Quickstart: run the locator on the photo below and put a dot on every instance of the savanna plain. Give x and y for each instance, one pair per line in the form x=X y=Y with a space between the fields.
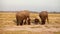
x=8 y=24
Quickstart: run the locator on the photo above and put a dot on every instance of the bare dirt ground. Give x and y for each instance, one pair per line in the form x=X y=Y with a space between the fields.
x=44 y=29
x=36 y=28
x=8 y=26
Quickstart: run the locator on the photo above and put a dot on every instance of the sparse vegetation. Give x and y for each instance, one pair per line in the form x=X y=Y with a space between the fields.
x=36 y=27
x=56 y=32
x=7 y=18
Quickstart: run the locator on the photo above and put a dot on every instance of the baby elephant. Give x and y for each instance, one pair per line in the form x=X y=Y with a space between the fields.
x=36 y=21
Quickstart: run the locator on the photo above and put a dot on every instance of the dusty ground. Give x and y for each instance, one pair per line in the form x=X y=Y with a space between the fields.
x=8 y=25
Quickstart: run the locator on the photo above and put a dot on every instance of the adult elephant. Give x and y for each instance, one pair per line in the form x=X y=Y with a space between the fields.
x=43 y=15
x=21 y=16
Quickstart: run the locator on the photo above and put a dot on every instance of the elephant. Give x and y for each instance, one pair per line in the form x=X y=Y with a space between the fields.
x=21 y=16
x=36 y=21
x=43 y=16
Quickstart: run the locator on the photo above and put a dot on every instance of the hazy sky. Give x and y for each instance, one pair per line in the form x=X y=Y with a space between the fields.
x=35 y=5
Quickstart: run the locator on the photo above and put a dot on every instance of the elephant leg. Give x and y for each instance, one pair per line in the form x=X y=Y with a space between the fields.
x=21 y=22
x=17 y=22
x=43 y=22
x=25 y=22
x=28 y=20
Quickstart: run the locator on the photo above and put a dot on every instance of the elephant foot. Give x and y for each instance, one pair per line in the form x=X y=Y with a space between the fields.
x=17 y=24
x=35 y=23
x=21 y=24
x=42 y=23
x=28 y=23
x=24 y=23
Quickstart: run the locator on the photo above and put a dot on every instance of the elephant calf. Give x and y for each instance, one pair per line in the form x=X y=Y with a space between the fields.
x=36 y=21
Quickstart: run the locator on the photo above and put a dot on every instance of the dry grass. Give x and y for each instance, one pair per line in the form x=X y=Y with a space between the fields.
x=20 y=32
x=56 y=32
x=9 y=18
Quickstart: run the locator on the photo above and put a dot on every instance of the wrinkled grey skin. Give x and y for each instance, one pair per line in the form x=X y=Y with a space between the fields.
x=21 y=16
x=43 y=15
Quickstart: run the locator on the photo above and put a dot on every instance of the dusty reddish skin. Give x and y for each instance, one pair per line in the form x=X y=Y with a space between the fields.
x=43 y=15
x=23 y=15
